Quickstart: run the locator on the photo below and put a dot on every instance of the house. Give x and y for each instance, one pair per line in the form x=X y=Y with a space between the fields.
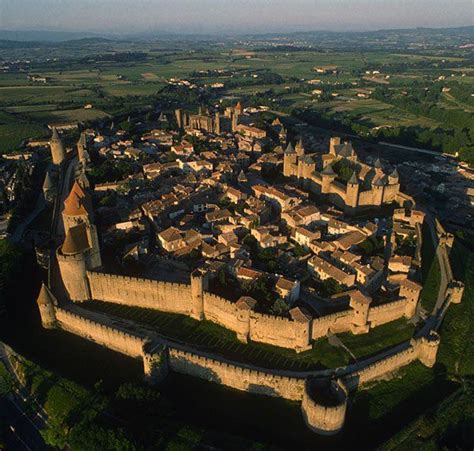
x=400 y=263
x=325 y=270
x=171 y=239
x=288 y=289
x=248 y=274
x=235 y=195
x=305 y=237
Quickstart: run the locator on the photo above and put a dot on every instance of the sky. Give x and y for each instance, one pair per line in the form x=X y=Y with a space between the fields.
x=231 y=16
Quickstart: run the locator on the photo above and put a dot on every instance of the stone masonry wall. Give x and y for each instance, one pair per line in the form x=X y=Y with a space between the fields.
x=335 y=323
x=138 y=292
x=279 y=331
x=381 y=367
x=110 y=337
x=247 y=324
x=385 y=313
x=227 y=314
x=235 y=376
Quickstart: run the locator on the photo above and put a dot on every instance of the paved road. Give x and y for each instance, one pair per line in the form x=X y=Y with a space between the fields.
x=21 y=412
x=21 y=431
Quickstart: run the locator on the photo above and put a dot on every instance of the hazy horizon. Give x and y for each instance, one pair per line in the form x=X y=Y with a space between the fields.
x=230 y=16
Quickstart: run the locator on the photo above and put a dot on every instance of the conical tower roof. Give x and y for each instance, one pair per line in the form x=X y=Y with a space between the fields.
x=353 y=180
x=328 y=170
x=394 y=174
x=55 y=135
x=76 y=240
x=242 y=177
x=379 y=182
x=48 y=183
x=77 y=203
x=45 y=297
x=289 y=149
x=378 y=163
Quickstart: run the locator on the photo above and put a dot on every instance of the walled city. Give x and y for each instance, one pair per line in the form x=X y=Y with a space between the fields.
x=275 y=243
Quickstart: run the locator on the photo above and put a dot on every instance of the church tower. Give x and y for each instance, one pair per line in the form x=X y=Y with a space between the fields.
x=58 y=153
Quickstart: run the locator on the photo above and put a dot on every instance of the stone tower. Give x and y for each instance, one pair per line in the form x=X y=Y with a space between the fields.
x=360 y=305
x=328 y=175
x=46 y=304
x=411 y=292
x=179 y=117
x=82 y=153
x=428 y=348
x=58 y=153
x=378 y=189
x=393 y=178
x=80 y=250
x=235 y=121
x=324 y=405
x=299 y=148
x=199 y=284
x=352 y=193
x=49 y=190
x=283 y=135
x=333 y=142
x=78 y=210
x=74 y=259
x=217 y=123
x=456 y=291
x=289 y=160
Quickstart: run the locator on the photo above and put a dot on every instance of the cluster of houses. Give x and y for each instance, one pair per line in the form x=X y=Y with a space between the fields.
x=203 y=198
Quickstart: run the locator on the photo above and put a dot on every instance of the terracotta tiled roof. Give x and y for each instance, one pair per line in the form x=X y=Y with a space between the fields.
x=76 y=240
x=77 y=203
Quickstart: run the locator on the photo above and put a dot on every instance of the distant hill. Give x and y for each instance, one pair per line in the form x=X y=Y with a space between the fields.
x=9 y=44
x=46 y=36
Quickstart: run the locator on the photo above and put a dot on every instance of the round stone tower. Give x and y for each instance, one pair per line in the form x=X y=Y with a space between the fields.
x=46 y=303
x=428 y=348
x=324 y=405
x=74 y=259
x=58 y=153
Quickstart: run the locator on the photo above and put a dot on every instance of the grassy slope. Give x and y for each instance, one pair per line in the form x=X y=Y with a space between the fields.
x=451 y=423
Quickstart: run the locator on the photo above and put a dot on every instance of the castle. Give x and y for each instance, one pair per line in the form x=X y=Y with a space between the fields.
x=368 y=187
x=323 y=394
x=210 y=123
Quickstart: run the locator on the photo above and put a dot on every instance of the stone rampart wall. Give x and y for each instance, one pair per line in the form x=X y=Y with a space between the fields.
x=235 y=376
x=227 y=314
x=110 y=337
x=385 y=313
x=390 y=192
x=335 y=323
x=279 y=331
x=382 y=367
x=138 y=292
x=366 y=198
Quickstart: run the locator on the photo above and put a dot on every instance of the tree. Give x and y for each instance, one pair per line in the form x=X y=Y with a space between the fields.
x=280 y=307
x=92 y=437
